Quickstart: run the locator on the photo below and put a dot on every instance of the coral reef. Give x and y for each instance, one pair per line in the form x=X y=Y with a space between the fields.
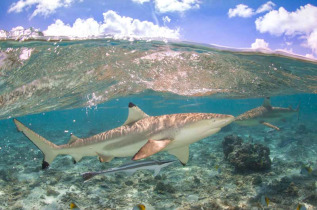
x=229 y=143
x=245 y=156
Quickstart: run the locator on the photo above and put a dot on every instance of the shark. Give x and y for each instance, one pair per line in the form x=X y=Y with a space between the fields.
x=132 y=167
x=140 y=136
x=265 y=115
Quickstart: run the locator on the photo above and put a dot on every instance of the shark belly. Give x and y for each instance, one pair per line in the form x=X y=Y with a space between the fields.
x=188 y=137
x=125 y=151
x=191 y=134
x=123 y=146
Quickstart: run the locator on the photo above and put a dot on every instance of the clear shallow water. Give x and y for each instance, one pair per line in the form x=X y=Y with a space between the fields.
x=47 y=81
x=198 y=184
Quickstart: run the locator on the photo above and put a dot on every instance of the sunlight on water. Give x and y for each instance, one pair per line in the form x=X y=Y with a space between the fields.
x=37 y=76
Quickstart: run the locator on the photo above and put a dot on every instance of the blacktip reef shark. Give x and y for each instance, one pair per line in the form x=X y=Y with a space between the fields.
x=265 y=114
x=132 y=167
x=140 y=136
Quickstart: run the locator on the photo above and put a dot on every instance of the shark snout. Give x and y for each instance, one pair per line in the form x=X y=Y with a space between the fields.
x=222 y=121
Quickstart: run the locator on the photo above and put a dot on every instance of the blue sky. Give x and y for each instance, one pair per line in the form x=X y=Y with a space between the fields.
x=286 y=25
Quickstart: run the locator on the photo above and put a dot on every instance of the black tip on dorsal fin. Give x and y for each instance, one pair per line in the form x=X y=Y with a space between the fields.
x=131 y=105
x=267 y=102
x=45 y=165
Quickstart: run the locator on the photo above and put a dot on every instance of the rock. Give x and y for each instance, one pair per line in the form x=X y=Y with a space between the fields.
x=51 y=192
x=280 y=186
x=312 y=199
x=257 y=180
x=129 y=183
x=229 y=143
x=192 y=198
x=196 y=180
x=285 y=141
x=164 y=188
x=292 y=190
x=250 y=157
x=158 y=177
x=301 y=129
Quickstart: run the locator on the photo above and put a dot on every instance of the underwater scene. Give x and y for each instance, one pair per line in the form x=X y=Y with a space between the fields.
x=119 y=124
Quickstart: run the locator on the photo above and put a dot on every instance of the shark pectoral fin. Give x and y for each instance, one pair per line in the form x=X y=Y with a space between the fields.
x=72 y=139
x=135 y=114
x=104 y=158
x=150 y=148
x=181 y=153
x=270 y=125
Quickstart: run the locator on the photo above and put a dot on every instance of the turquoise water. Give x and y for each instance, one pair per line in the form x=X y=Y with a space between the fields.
x=58 y=95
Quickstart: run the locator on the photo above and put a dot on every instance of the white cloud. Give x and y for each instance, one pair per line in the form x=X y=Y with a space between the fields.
x=163 y=6
x=312 y=41
x=311 y=56
x=43 y=7
x=241 y=10
x=289 y=51
x=260 y=44
x=268 y=6
x=140 y=1
x=81 y=28
x=302 y=23
x=278 y=22
x=166 y=19
x=113 y=24
x=288 y=43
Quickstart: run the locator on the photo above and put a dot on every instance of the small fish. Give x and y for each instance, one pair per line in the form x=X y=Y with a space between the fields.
x=306 y=170
x=73 y=206
x=217 y=167
x=139 y=207
x=265 y=200
x=300 y=207
x=133 y=167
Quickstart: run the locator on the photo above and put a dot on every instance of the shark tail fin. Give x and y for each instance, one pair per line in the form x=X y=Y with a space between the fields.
x=48 y=148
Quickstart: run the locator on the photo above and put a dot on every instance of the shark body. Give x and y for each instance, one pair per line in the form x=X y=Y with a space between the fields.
x=265 y=114
x=140 y=136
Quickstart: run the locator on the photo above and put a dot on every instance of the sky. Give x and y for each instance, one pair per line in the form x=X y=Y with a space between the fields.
x=287 y=25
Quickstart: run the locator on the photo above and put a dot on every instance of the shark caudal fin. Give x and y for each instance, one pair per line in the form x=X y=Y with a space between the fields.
x=48 y=148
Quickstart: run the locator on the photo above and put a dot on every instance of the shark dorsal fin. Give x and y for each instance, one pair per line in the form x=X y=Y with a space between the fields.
x=72 y=139
x=267 y=102
x=135 y=114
